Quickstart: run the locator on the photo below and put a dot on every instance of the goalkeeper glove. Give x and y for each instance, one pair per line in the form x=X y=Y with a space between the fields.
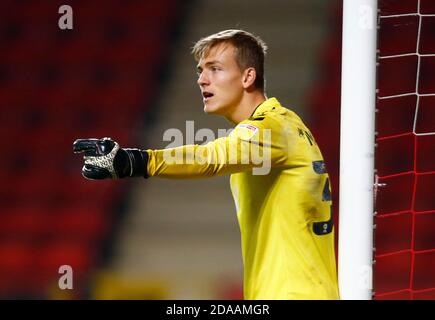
x=104 y=159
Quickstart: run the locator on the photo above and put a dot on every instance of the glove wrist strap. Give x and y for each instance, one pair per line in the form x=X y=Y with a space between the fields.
x=138 y=160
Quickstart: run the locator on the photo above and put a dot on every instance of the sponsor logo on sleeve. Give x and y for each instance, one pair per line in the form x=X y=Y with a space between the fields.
x=246 y=131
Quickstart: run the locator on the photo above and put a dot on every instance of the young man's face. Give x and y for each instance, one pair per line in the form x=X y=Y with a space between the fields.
x=220 y=79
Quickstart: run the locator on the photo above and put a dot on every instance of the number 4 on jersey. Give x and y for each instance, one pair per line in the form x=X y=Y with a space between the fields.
x=323 y=227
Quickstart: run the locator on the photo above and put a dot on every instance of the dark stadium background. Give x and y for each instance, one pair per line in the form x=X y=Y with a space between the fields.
x=112 y=75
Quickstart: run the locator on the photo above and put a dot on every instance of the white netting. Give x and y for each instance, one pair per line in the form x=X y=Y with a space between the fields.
x=405 y=244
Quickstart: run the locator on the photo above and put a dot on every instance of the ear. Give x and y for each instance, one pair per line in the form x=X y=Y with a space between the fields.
x=249 y=76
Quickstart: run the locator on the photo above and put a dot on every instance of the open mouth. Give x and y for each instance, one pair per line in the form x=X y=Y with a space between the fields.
x=207 y=95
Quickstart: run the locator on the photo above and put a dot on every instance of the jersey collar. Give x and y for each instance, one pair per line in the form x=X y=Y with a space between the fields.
x=267 y=105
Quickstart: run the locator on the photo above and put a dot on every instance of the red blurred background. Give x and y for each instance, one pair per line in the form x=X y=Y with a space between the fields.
x=101 y=79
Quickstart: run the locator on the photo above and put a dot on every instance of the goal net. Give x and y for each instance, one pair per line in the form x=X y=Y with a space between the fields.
x=405 y=151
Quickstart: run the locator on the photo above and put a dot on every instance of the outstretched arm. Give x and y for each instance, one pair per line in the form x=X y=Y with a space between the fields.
x=248 y=147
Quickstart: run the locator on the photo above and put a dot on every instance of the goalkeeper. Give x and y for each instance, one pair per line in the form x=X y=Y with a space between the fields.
x=283 y=208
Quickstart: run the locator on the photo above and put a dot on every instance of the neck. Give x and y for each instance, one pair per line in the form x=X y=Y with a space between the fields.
x=246 y=107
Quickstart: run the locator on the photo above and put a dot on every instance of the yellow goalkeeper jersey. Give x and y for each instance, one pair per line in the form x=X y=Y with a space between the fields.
x=283 y=199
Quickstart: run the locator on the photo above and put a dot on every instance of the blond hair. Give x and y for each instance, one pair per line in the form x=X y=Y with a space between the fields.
x=250 y=50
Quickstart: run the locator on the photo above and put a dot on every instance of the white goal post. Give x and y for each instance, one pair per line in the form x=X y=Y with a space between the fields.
x=357 y=141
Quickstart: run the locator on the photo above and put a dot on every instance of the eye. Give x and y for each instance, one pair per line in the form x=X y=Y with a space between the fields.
x=214 y=68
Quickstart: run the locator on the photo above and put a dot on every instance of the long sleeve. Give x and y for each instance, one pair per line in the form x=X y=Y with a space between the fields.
x=250 y=146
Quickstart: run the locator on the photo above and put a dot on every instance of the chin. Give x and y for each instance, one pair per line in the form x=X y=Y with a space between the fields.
x=211 y=110
x=216 y=108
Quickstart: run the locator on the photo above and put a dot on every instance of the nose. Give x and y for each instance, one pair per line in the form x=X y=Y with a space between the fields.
x=203 y=79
